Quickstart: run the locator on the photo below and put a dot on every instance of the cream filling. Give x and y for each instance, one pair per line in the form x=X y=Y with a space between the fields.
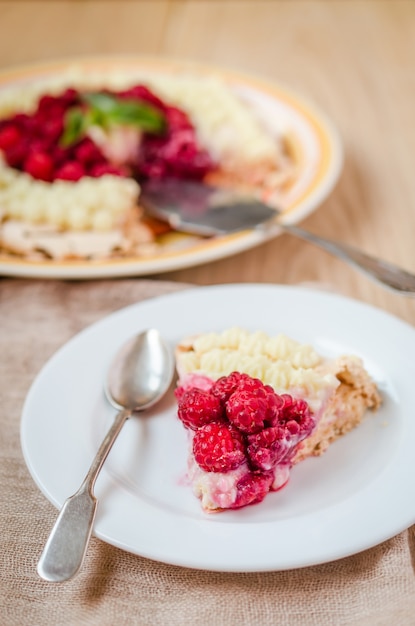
x=218 y=490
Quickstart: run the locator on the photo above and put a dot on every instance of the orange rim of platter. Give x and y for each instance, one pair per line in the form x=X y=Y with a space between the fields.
x=307 y=111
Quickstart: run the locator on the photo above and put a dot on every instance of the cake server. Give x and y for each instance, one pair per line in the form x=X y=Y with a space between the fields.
x=201 y=209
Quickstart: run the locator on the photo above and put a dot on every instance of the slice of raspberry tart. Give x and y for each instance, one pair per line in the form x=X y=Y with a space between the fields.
x=254 y=406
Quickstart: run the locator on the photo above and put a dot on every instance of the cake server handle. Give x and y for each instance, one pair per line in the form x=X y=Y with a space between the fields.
x=384 y=272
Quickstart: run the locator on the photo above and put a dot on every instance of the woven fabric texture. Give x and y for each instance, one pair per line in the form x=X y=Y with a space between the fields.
x=375 y=587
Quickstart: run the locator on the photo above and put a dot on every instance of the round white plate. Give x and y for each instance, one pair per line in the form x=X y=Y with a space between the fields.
x=355 y=496
x=312 y=137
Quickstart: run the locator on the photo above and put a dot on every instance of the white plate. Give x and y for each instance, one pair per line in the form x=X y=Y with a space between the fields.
x=313 y=139
x=357 y=495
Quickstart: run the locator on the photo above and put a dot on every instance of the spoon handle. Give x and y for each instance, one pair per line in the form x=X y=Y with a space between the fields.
x=381 y=271
x=65 y=549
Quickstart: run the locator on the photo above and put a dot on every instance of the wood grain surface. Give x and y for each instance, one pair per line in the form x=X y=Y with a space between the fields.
x=354 y=59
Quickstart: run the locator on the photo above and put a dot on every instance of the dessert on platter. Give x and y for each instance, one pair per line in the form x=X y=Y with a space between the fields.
x=74 y=149
x=255 y=405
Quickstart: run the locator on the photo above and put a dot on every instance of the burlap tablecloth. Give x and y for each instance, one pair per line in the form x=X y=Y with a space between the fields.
x=376 y=587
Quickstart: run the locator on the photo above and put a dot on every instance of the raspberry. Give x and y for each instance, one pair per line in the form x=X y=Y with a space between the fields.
x=247 y=383
x=176 y=153
x=177 y=119
x=182 y=156
x=52 y=129
x=16 y=155
x=59 y=156
x=252 y=488
x=23 y=121
x=71 y=170
x=267 y=448
x=218 y=448
x=46 y=103
x=198 y=407
x=88 y=153
x=295 y=416
x=293 y=427
x=101 y=169
x=224 y=387
x=9 y=136
x=290 y=405
x=140 y=92
x=247 y=411
x=52 y=107
x=69 y=97
x=39 y=165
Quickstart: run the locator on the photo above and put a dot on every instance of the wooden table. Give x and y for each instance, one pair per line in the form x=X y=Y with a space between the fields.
x=355 y=60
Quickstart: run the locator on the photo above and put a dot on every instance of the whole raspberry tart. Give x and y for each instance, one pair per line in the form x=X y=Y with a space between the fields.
x=75 y=149
x=254 y=406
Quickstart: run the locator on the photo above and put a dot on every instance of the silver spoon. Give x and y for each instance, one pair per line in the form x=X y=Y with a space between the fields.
x=206 y=210
x=139 y=376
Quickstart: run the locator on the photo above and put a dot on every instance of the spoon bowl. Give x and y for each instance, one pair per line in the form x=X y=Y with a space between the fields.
x=139 y=376
x=141 y=372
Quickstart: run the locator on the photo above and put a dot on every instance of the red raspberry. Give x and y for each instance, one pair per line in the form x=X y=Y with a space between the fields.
x=46 y=103
x=88 y=153
x=182 y=155
x=101 y=169
x=273 y=400
x=177 y=119
x=268 y=447
x=198 y=407
x=247 y=383
x=275 y=403
x=247 y=411
x=140 y=92
x=23 y=121
x=290 y=405
x=16 y=155
x=9 y=136
x=252 y=488
x=52 y=107
x=71 y=170
x=176 y=153
x=42 y=117
x=69 y=97
x=60 y=156
x=218 y=448
x=38 y=145
x=39 y=165
x=52 y=129
x=224 y=387
x=296 y=417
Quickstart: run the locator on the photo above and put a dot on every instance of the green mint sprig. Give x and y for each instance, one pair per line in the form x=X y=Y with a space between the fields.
x=105 y=110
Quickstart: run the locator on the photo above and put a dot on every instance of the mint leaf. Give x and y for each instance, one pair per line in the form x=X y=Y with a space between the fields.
x=129 y=112
x=75 y=125
x=102 y=102
x=107 y=109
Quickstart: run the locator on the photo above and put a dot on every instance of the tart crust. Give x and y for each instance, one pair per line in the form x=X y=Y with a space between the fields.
x=346 y=408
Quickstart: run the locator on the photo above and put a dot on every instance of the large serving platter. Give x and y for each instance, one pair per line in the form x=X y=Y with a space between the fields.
x=313 y=140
